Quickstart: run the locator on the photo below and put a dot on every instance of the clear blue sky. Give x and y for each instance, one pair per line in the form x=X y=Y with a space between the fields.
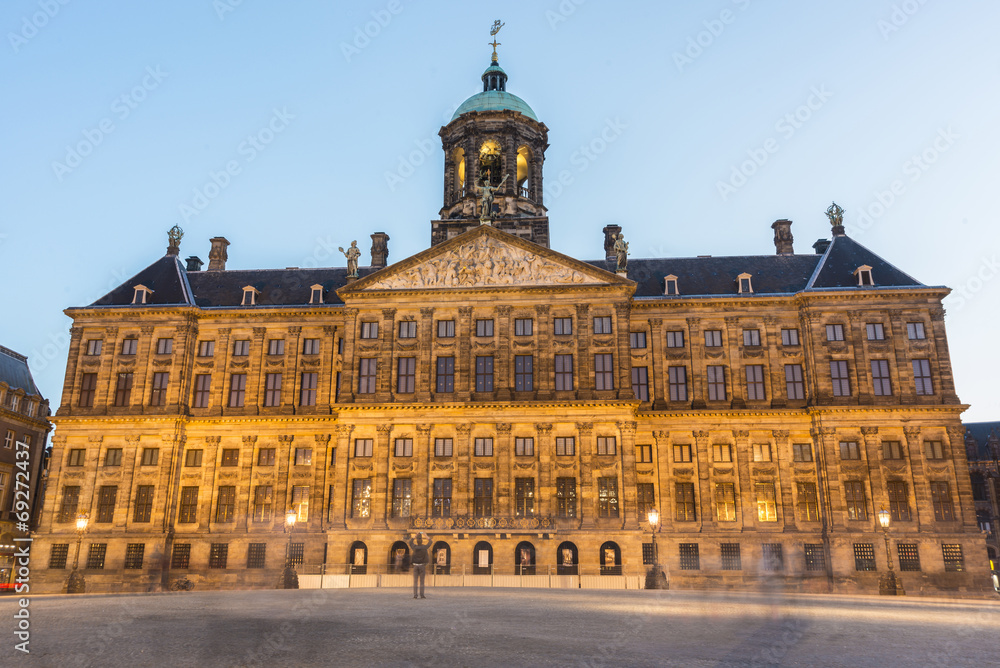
x=162 y=95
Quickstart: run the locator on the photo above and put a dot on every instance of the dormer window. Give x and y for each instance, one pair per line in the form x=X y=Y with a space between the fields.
x=142 y=294
x=745 y=283
x=670 y=285
x=316 y=294
x=250 y=295
x=864 y=274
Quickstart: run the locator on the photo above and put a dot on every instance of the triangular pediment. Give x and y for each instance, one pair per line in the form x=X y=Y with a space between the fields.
x=485 y=257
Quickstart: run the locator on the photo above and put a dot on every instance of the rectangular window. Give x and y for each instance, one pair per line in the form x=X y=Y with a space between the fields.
x=716 y=383
x=677 y=378
x=265 y=457
x=150 y=456
x=637 y=339
x=129 y=346
x=230 y=457
x=566 y=497
x=406 y=375
x=402 y=497
x=795 y=388
x=731 y=557
x=909 y=556
x=562 y=326
x=441 y=502
x=808 y=502
x=445 y=374
x=113 y=457
x=181 y=557
x=802 y=452
x=367 y=375
x=815 y=557
x=484 y=373
x=602 y=324
x=123 y=390
x=892 y=450
x=95 y=556
x=640 y=383
x=255 y=555
x=524 y=497
x=954 y=562
x=944 y=511
x=407 y=329
x=834 y=332
x=899 y=503
x=310 y=346
x=922 y=377
x=606 y=445
x=644 y=454
x=854 y=497
x=303 y=456
x=725 y=501
x=76 y=457
x=363 y=447
x=225 y=503
x=682 y=453
x=218 y=555
x=603 y=372
x=158 y=393
x=915 y=331
x=143 y=511
x=188 y=507
x=134 y=553
x=404 y=447
x=361 y=498
x=881 y=384
x=755 y=382
x=713 y=338
x=164 y=346
x=751 y=337
x=840 y=377
x=849 y=450
x=762 y=452
x=482 y=500
x=442 y=447
x=874 y=331
x=684 y=509
x=773 y=558
x=58 y=553
x=237 y=389
x=864 y=557
x=524 y=377
x=446 y=329
x=94 y=346
x=789 y=337
x=192 y=457
x=307 y=393
x=484 y=447
x=722 y=452
x=524 y=447
x=276 y=347
x=272 y=392
x=564 y=372
x=645 y=499
x=607 y=497
x=202 y=390
x=484 y=327
x=675 y=339
x=70 y=502
x=263 y=502
x=369 y=330
x=107 y=496
x=241 y=348
x=934 y=449
x=565 y=446
x=523 y=326
x=690 y=561
x=767 y=510
x=88 y=385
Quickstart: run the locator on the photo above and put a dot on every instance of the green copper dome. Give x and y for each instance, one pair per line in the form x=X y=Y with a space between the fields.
x=495 y=96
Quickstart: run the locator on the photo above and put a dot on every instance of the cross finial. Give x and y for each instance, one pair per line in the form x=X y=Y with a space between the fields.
x=493 y=33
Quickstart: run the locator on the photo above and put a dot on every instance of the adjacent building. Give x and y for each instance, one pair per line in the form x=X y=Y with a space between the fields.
x=982 y=447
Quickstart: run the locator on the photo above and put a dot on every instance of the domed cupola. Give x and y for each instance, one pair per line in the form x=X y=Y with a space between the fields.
x=494 y=140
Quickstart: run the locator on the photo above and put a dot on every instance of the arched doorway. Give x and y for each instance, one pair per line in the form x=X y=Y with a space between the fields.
x=489 y=163
x=441 y=558
x=399 y=557
x=611 y=559
x=524 y=558
x=567 y=559
x=524 y=172
x=357 y=557
x=458 y=162
x=482 y=558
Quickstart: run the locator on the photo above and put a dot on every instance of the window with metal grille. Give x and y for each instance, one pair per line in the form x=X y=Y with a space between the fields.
x=840 y=378
x=95 y=556
x=915 y=330
x=218 y=555
x=272 y=391
x=134 y=553
x=367 y=375
x=524 y=446
x=684 y=508
x=564 y=372
x=369 y=330
x=566 y=497
x=909 y=556
x=524 y=380
x=690 y=561
x=755 y=382
x=188 y=507
x=864 y=557
x=363 y=447
x=225 y=503
x=445 y=374
x=644 y=454
x=106 y=499
x=648 y=554
x=766 y=507
x=296 y=553
x=607 y=497
x=645 y=500
x=716 y=382
x=408 y=329
x=484 y=373
x=808 y=502
x=789 y=337
x=603 y=372
x=731 y=560
x=446 y=329
x=934 y=449
x=637 y=339
x=682 y=452
x=482 y=499
x=802 y=452
x=722 y=452
x=406 y=375
x=94 y=346
x=772 y=558
x=402 y=497
x=230 y=457
x=255 y=555
x=713 y=338
x=307 y=393
x=143 y=503
x=58 y=553
x=849 y=450
x=854 y=497
x=483 y=447
x=606 y=445
x=361 y=498
x=944 y=511
x=562 y=326
x=484 y=327
x=751 y=337
x=922 y=377
x=675 y=339
x=202 y=390
x=303 y=456
x=834 y=332
x=404 y=447
x=441 y=501
x=640 y=383
x=263 y=502
x=181 y=556
x=123 y=390
x=523 y=326
x=237 y=389
x=881 y=383
x=88 y=386
x=565 y=445
x=725 y=501
x=677 y=380
x=815 y=557
x=265 y=457
x=442 y=447
x=524 y=497
x=795 y=387
x=241 y=348
x=70 y=502
x=762 y=452
x=602 y=324
x=129 y=346
x=954 y=562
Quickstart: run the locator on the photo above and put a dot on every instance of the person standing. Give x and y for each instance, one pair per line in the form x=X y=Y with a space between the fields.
x=418 y=559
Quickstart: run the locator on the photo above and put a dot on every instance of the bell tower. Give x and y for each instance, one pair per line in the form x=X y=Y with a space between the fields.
x=494 y=150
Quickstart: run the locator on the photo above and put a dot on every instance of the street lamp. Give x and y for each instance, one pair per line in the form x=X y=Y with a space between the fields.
x=76 y=584
x=655 y=578
x=889 y=584
x=289 y=578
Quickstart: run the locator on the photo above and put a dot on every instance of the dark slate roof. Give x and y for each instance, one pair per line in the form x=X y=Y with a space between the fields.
x=14 y=371
x=278 y=287
x=981 y=432
x=165 y=277
x=845 y=255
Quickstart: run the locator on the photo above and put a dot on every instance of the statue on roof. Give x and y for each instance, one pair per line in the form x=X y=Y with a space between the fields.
x=493 y=33
x=486 y=199
x=352 y=254
x=174 y=236
x=835 y=214
x=621 y=251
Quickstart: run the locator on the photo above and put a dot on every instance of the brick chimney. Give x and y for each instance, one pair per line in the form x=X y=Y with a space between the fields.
x=380 y=249
x=609 y=241
x=194 y=263
x=218 y=255
x=782 y=237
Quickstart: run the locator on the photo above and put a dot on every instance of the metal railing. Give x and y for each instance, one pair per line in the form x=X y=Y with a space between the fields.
x=473 y=522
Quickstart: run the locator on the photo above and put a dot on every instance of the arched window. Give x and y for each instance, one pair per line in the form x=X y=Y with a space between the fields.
x=458 y=162
x=482 y=558
x=357 y=557
x=567 y=559
x=489 y=163
x=524 y=172
x=399 y=557
x=524 y=558
x=441 y=558
x=611 y=559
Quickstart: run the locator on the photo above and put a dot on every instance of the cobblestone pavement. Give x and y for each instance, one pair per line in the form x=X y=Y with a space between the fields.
x=500 y=627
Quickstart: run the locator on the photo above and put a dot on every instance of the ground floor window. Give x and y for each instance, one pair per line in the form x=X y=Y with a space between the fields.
x=815 y=557
x=690 y=561
x=524 y=558
x=133 y=555
x=58 y=554
x=909 y=557
x=567 y=559
x=218 y=556
x=441 y=555
x=255 y=555
x=482 y=558
x=864 y=557
x=611 y=559
x=95 y=556
x=181 y=557
x=357 y=557
x=954 y=562
x=399 y=557
x=773 y=559
x=731 y=557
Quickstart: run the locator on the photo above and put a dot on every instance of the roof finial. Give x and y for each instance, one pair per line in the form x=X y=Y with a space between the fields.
x=836 y=216
x=174 y=236
x=493 y=33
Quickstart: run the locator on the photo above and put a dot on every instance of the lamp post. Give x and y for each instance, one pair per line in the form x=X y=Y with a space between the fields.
x=76 y=583
x=289 y=578
x=655 y=578
x=889 y=584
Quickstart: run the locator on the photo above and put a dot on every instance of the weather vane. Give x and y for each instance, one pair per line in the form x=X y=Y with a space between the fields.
x=493 y=33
